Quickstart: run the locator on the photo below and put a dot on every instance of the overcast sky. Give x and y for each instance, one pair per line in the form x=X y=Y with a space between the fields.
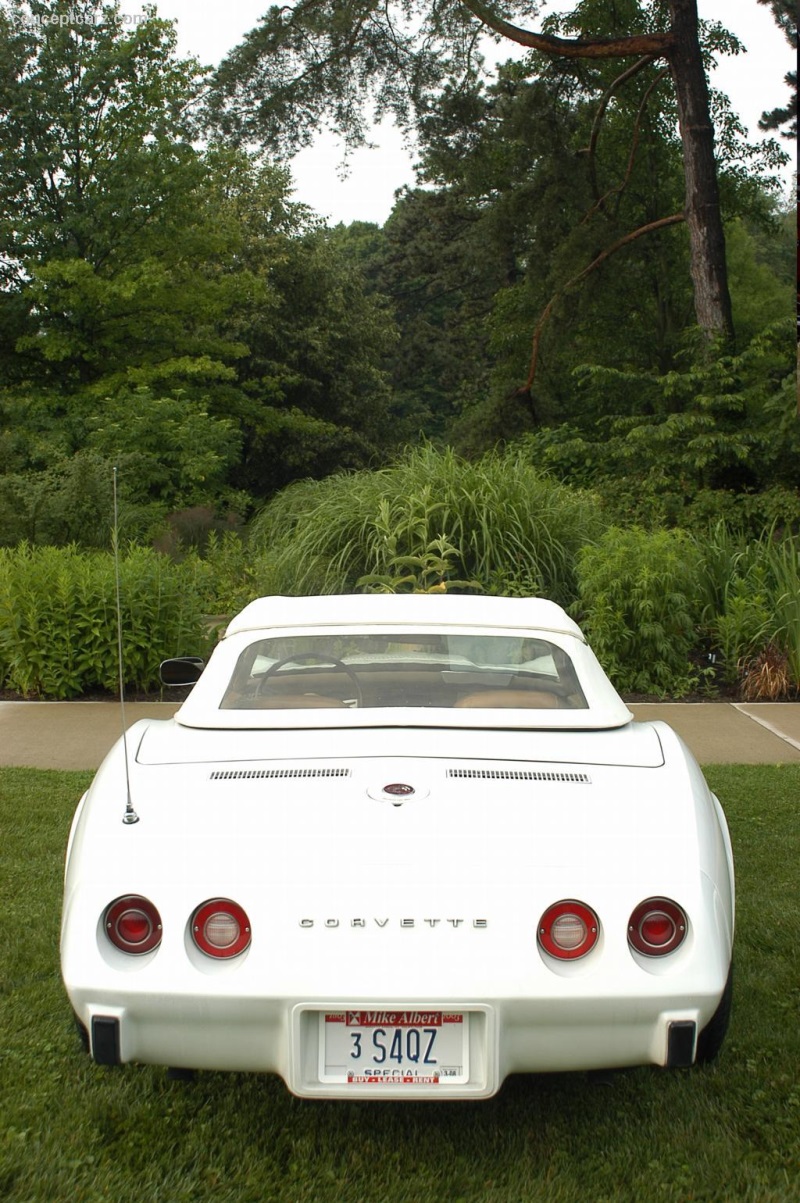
x=210 y=28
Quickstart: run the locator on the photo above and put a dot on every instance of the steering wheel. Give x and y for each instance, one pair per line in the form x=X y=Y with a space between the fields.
x=305 y=656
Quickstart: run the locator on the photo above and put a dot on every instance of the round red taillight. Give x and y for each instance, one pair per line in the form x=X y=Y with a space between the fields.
x=657 y=927
x=220 y=928
x=568 y=930
x=133 y=924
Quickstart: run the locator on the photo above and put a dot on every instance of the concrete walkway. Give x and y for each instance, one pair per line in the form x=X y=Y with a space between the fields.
x=77 y=735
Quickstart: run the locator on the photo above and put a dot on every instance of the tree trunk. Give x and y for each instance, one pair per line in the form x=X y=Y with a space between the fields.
x=702 y=209
x=681 y=47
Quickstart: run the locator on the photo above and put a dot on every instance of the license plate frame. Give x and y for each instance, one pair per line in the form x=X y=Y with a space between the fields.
x=374 y=1047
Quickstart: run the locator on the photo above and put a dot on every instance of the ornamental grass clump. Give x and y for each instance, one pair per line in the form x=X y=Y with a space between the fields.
x=750 y=594
x=783 y=563
x=508 y=528
x=765 y=677
x=734 y=594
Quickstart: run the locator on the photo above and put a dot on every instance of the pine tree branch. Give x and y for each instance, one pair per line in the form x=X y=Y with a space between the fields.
x=605 y=100
x=619 y=188
x=662 y=222
x=655 y=44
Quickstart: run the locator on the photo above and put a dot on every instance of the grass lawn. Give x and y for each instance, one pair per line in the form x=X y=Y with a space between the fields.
x=70 y=1130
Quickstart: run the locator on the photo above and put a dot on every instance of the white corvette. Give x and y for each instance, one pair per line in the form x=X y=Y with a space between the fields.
x=399 y=847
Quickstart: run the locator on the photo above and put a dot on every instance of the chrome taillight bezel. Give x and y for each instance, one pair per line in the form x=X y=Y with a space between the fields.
x=657 y=910
x=213 y=910
x=562 y=914
x=125 y=910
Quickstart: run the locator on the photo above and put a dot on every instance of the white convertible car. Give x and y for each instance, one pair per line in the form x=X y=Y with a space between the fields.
x=399 y=847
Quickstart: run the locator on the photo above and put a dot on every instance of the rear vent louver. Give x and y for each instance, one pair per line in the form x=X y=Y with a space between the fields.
x=520 y=775
x=256 y=774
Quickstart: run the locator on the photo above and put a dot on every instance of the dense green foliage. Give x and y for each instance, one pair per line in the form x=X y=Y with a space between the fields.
x=58 y=622
x=666 y=611
x=639 y=613
x=682 y=447
x=164 y=305
x=72 y=1130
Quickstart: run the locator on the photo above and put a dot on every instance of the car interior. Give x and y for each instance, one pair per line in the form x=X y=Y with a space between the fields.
x=403 y=670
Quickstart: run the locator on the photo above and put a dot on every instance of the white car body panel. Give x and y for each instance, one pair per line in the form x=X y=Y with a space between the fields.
x=361 y=901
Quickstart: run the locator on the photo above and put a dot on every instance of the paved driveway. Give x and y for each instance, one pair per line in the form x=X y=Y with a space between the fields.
x=77 y=735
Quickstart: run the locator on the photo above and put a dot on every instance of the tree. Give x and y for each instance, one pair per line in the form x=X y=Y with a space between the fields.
x=525 y=186
x=151 y=283
x=314 y=380
x=318 y=60
x=521 y=157
x=438 y=270
x=718 y=440
x=785 y=14
x=109 y=242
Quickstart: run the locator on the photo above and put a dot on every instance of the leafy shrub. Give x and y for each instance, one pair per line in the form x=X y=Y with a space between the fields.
x=428 y=571
x=719 y=440
x=69 y=501
x=637 y=597
x=58 y=636
x=232 y=572
x=744 y=625
x=509 y=528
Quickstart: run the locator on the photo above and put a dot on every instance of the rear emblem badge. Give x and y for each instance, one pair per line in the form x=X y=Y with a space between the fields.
x=398 y=793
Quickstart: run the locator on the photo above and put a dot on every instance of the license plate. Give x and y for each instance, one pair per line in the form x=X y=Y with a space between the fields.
x=394 y=1048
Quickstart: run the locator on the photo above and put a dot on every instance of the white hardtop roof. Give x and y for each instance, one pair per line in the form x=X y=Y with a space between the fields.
x=406 y=609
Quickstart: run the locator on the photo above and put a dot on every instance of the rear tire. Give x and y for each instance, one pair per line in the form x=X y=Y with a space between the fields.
x=83 y=1035
x=712 y=1037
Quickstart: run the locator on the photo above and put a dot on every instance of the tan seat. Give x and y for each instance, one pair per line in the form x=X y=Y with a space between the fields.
x=522 y=699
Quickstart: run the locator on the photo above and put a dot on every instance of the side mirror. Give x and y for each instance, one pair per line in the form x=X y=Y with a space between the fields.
x=181 y=670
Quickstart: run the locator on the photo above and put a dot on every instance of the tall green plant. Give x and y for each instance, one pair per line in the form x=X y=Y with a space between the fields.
x=231 y=573
x=733 y=593
x=58 y=619
x=637 y=597
x=428 y=571
x=749 y=590
x=507 y=526
x=783 y=559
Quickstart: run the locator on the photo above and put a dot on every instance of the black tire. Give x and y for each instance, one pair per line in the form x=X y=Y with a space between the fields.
x=712 y=1037
x=83 y=1035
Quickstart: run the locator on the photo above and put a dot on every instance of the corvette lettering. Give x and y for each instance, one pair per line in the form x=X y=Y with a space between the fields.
x=404 y=923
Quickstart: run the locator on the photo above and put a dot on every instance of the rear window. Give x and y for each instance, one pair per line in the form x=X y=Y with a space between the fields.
x=411 y=669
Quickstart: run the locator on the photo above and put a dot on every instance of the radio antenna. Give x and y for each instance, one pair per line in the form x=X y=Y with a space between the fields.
x=130 y=815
